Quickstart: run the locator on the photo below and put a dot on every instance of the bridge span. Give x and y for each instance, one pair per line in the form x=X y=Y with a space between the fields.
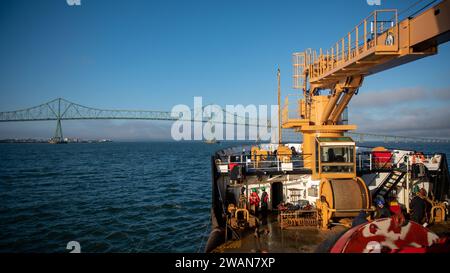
x=61 y=109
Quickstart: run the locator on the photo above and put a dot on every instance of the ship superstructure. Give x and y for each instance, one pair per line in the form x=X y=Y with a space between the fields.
x=328 y=180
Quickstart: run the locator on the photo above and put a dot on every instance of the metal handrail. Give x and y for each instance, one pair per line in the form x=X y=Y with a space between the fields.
x=288 y=111
x=395 y=163
x=359 y=40
x=265 y=162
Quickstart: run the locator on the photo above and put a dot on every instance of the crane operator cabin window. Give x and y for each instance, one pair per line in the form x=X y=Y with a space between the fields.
x=337 y=159
x=336 y=156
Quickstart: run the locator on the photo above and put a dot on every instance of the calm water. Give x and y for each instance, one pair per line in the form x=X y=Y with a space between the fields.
x=111 y=197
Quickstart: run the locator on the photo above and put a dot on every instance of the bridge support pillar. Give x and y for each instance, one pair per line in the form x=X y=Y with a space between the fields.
x=58 y=137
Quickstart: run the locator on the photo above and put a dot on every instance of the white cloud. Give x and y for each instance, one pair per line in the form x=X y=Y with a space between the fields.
x=427 y=120
x=405 y=112
x=385 y=98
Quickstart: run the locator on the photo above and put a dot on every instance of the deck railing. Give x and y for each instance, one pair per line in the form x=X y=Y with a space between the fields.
x=271 y=162
x=268 y=163
x=292 y=109
x=366 y=36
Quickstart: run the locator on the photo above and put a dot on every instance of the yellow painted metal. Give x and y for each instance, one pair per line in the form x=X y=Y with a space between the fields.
x=284 y=154
x=438 y=211
x=249 y=220
x=258 y=155
x=245 y=213
x=330 y=105
x=384 y=44
x=342 y=198
x=325 y=213
x=430 y=24
x=376 y=44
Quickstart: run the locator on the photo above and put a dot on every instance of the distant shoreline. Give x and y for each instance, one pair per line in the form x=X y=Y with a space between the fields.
x=47 y=141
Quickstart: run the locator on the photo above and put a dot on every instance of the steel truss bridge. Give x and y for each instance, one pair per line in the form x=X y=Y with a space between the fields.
x=60 y=109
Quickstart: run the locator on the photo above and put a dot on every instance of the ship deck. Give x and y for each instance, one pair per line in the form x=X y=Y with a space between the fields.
x=297 y=239
x=273 y=239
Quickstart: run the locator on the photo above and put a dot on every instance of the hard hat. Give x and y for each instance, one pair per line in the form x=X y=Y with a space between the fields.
x=254 y=190
x=379 y=202
x=393 y=203
x=395 y=209
x=263 y=188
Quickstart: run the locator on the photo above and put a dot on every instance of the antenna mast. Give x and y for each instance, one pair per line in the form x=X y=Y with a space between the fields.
x=279 y=107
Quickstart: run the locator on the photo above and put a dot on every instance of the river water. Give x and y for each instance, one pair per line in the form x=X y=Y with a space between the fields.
x=110 y=197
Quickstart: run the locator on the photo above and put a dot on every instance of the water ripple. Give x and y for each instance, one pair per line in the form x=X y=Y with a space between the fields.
x=115 y=197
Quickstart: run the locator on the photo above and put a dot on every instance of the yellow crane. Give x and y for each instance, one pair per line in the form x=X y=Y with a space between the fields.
x=377 y=43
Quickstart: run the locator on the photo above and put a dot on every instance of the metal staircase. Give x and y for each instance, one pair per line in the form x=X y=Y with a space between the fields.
x=389 y=184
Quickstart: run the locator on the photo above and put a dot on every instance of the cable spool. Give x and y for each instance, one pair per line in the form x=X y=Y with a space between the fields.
x=347 y=196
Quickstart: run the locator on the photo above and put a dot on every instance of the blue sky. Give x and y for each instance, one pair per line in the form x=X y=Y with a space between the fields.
x=156 y=54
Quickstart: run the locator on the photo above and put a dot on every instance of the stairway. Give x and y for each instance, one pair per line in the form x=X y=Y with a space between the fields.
x=388 y=184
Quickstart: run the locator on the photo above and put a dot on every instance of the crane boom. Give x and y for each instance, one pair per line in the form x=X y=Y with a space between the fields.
x=383 y=48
